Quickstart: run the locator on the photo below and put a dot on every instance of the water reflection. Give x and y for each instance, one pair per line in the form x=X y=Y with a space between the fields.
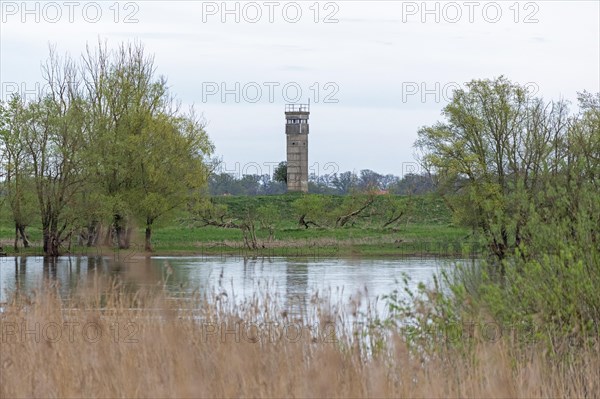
x=296 y=284
x=291 y=280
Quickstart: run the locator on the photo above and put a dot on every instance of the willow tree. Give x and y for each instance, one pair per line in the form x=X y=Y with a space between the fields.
x=492 y=155
x=53 y=132
x=168 y=167
x=123 y=97
x=525 y=173
x=17 y=167
x=106 y=142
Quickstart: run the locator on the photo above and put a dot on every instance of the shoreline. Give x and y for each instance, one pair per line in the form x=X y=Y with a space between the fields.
x=286 y=252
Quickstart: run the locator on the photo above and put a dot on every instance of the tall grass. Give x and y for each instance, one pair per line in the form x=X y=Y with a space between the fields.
x=211 y=347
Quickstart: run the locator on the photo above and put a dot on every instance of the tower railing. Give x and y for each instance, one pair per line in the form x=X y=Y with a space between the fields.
x=297 y=108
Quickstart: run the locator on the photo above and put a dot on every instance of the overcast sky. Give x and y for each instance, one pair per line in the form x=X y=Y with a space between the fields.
x=375 y=71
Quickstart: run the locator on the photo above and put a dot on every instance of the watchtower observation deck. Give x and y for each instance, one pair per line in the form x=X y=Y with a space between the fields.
x=296 y=117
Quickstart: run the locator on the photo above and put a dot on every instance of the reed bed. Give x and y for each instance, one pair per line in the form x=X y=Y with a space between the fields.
x=105 y=341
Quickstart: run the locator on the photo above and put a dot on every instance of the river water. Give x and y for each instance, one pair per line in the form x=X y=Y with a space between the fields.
x=292 y=281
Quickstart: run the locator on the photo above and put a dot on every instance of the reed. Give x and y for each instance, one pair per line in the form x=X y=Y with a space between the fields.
x=105 y=341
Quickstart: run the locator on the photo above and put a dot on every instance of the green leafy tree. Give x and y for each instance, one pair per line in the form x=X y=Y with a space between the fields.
x=345 y=182
x=169 y=167
x=268 y=215
x=313 y=210
x=280 y=173
x=393 y=208
x=352 y=206
x=106 y=144
x=490 y=156
x=18 y=183
x=524 y=173
x=54 y=132
x=123 y=98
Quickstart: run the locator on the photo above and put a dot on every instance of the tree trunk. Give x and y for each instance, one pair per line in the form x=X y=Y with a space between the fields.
x=342 y=220
x=51 y=244
x=306 y=223
x=393 y=219
x=127 y=238
x=108 y=237
x=119 y=232
x=123 y=232
x=119 y=237
x=302 y=221
x=92 y=237
x=148 y=245
x=46 y=239
x=21 y=230
x=249 y=235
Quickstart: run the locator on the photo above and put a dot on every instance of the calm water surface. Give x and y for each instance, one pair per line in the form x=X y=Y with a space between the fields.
x=292 y=281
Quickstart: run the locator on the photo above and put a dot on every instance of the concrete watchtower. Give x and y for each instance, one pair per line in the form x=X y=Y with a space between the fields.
x=296 y=131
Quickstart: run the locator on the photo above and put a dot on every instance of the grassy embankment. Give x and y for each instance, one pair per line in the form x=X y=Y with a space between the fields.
x=426 y=228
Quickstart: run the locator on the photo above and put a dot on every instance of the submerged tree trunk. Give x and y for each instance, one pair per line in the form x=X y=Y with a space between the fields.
x=118 y=233
x=122 y=232
x=51 y=243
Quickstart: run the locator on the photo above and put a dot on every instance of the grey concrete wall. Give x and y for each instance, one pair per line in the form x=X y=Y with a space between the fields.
x=297 y=162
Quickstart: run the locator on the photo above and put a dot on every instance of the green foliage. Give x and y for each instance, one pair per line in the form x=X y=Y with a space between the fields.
x=280 y=173
x=268 y=217
x=315 y=209
x=490 y=156
x=169 y=165
x=525 y=174
x=106 y=145
x=19 y=185
x=421 y=209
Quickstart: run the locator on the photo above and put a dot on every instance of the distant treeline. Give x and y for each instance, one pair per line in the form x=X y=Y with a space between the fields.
x=343 y=183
